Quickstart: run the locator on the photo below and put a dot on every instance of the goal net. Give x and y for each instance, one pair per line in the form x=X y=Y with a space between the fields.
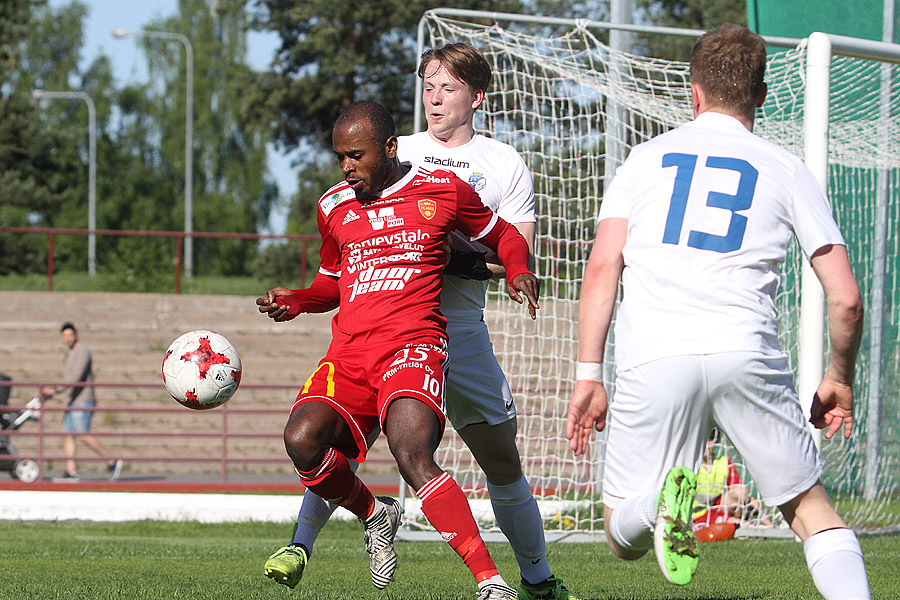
x=573 y=108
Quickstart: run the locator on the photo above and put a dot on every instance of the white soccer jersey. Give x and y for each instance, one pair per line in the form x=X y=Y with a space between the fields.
x=711 y=209
x=499 y=175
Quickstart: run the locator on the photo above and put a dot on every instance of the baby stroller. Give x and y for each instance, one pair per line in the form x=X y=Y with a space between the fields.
x=23 y=469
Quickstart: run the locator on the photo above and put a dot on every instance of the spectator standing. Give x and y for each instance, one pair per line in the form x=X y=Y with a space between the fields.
x=78 y=369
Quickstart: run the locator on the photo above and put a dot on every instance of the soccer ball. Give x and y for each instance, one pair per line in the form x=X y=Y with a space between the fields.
x=201 y=369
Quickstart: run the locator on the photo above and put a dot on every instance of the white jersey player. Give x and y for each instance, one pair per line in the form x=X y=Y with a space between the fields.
x=477 y=390
x=697 y=222
x=479 y=401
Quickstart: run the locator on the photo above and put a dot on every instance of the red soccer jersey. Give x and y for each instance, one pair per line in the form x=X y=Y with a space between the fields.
x=388 y=254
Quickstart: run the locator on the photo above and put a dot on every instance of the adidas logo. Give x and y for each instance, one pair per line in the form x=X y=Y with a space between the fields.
x=351 y=216
x=448 y=535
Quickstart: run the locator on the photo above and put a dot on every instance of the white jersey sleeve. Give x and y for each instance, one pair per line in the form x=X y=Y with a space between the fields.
x=812 y=217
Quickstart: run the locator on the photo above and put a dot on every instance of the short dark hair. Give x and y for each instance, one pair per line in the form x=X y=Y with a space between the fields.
x=729 y=64
x=68 y=325
x=463 y=61
x=379 y=118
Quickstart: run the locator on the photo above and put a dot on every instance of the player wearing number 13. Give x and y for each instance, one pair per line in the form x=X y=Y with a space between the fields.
x=382 y=259
x=697 y=223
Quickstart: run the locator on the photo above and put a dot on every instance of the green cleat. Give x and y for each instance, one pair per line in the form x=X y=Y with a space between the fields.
x=673 y=538
x=552 y=589
x=286 y=565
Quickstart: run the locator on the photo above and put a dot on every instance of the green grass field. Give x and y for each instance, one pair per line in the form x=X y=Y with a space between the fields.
x=164 y=560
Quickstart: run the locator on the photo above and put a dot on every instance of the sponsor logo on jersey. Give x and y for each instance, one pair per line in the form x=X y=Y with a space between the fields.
x=430 y=179
x=358 y=259
x=397 y=238
x=381 y=280
x=350 y=216
x=355 y=255
x=384 y=217
x=428 y=208
x=328 y=202
x=477 y=181
x=446 y=162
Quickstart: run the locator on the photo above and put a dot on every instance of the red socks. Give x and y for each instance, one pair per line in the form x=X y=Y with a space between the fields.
x=334 y=481
x=446 y=508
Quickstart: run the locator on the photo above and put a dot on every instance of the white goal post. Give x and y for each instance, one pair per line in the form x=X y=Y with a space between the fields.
x=573 y=107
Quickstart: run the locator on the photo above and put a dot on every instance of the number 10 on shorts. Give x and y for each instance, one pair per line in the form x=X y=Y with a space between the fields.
x=432 y=385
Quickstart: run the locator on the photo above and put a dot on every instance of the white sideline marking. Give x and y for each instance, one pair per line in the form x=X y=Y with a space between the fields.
x=139 y=506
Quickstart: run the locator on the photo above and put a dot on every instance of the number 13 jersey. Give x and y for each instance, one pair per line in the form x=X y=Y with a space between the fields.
x=711 y=209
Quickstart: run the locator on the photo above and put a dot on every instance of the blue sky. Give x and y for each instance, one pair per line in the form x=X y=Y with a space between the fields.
x=128 y=63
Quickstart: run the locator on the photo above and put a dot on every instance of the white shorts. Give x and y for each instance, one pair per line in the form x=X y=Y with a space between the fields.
x=664 y=410
x=477 y=390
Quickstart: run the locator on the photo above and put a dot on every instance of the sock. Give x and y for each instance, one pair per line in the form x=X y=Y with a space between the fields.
x=314 y=514
x=632 y=522
x=495 y=580
x=334 y=481
x=520 y=521
x=446 y=508
x=835 y=562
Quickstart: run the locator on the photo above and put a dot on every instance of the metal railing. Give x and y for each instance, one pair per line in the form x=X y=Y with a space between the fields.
x=178 y=236
x=173 y=448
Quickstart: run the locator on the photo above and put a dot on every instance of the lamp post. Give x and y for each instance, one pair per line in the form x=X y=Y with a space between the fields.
x=188 y=135
x=92 y=167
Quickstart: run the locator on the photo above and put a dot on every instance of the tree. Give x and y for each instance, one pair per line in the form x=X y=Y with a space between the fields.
x=686 y=14
x=232 y=190
x=333 y=54
x=36 y=164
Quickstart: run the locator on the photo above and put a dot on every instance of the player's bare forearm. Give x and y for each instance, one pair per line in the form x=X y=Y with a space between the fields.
x=530 y=286
x=845 y=309
x=600 y=289
x=587 y=413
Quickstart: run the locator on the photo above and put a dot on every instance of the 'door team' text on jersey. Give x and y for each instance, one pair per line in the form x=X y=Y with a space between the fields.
x=390 y=249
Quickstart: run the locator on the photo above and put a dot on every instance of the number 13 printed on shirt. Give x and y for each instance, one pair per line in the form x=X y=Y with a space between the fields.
x=732 y=240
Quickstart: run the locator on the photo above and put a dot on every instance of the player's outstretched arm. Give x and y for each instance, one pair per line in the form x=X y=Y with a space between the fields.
x=832 y=406
x=283 y=304
x=587 y=409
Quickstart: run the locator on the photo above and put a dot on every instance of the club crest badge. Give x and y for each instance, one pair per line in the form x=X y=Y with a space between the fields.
x=477 y=181
x=428 y=208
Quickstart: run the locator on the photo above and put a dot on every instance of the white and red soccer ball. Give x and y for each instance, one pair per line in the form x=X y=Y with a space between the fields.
x=201 y=370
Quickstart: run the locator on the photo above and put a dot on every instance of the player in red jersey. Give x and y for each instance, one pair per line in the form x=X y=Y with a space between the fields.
x=383 y=231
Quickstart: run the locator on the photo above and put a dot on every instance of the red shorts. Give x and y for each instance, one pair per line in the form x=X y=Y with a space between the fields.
x=360 y=383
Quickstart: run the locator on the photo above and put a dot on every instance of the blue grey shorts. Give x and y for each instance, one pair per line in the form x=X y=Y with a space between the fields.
x=79 y=420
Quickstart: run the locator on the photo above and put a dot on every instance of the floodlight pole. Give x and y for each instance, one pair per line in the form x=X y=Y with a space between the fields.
x=92 y=167
x=188 y=135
